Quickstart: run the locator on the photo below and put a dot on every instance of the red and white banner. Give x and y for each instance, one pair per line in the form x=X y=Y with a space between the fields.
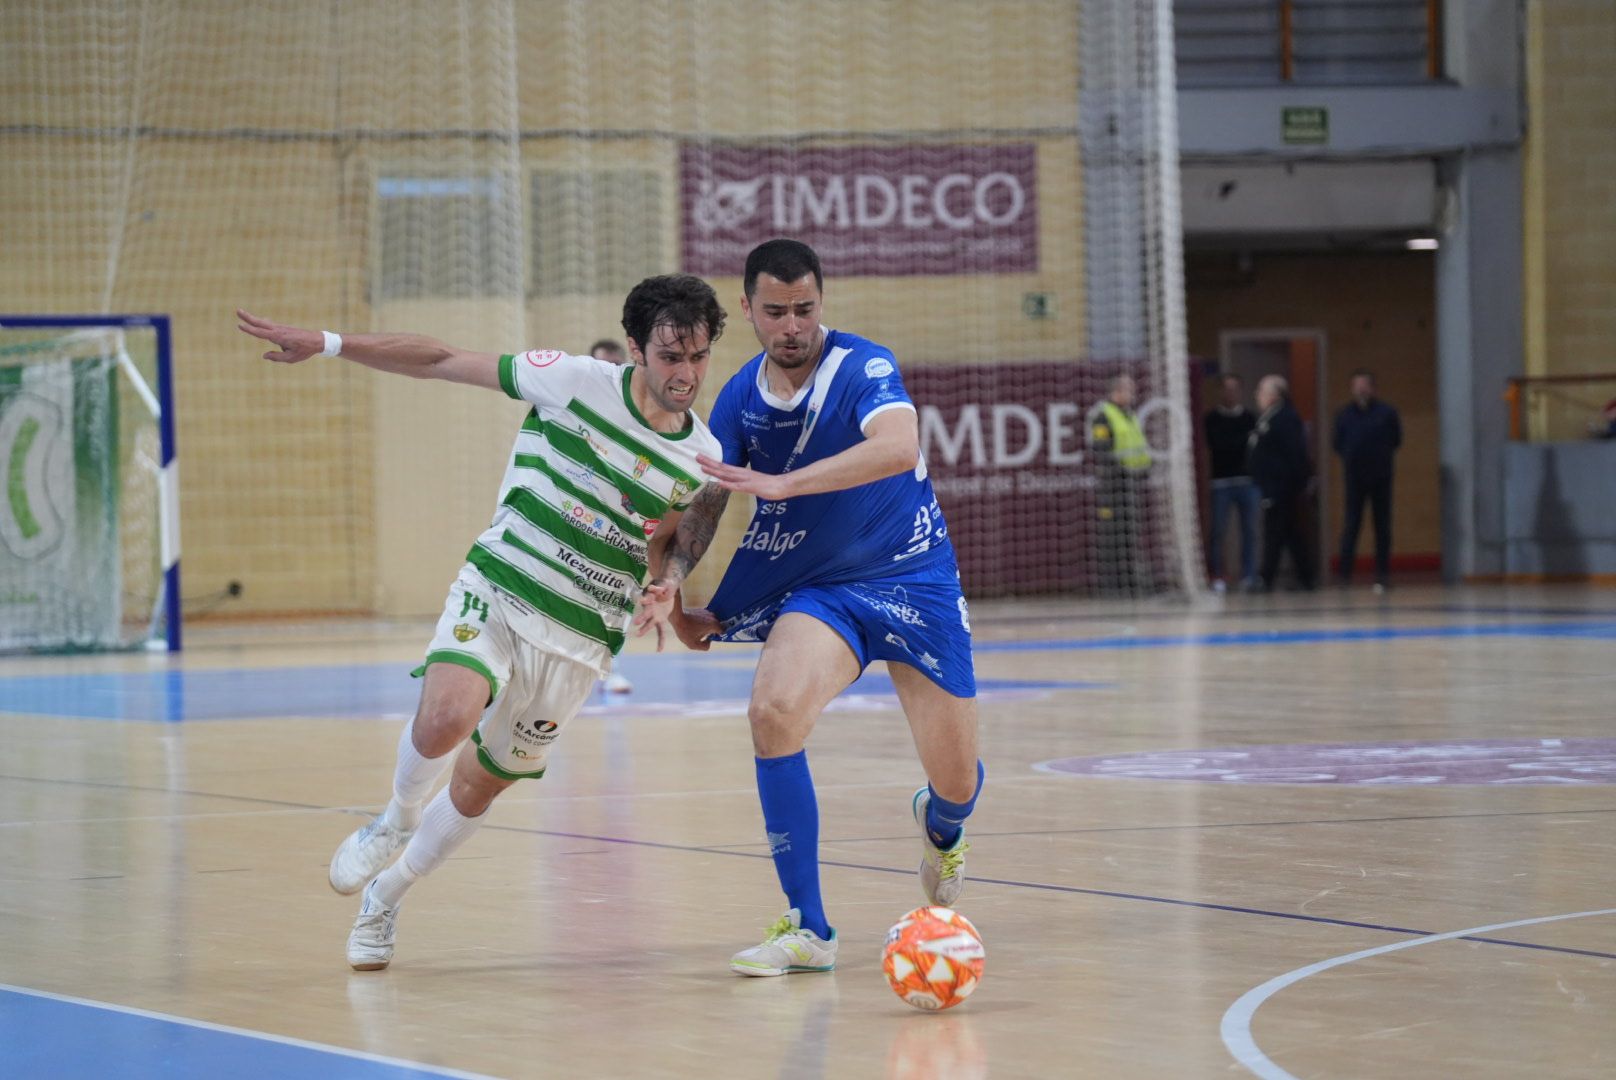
x=1007 y=449
x=888 y=211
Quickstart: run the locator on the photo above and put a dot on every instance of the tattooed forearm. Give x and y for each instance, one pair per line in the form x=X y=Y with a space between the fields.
x=695 y=533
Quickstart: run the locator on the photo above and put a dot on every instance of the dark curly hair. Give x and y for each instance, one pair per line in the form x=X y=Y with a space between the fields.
x=679 y=301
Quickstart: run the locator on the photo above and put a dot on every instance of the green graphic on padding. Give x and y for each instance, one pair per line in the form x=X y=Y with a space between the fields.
x=17 y=485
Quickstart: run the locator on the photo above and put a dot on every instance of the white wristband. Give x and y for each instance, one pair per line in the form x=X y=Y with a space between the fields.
x=333 y=344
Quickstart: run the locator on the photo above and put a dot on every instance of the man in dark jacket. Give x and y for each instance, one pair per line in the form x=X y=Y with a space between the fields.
x=1228 y=428
x=1280 y=465
x=1367 y=435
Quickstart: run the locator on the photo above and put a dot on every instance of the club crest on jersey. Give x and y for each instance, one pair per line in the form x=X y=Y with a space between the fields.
x=641 y=464
x=465 y=632
x=681 y=488
x=878 y=367
x=542 y=357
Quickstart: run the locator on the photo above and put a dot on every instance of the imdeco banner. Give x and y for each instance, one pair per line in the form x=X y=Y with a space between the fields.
x=878 y=210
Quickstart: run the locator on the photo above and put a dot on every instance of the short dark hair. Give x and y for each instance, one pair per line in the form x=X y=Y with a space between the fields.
x=1364 y=373
x=606 y=344
x=783 y=260
x=679 y=301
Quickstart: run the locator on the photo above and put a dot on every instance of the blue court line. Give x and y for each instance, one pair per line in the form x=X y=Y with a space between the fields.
x=1596 y=630
x=44 y=1034
x=1255 y=612
x=365 y=690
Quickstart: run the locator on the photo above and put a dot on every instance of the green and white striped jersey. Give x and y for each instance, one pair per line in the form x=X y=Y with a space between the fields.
x=587 y=483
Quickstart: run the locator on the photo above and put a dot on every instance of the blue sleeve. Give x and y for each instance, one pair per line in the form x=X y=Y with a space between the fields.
x=724 y=423
x=877 y=386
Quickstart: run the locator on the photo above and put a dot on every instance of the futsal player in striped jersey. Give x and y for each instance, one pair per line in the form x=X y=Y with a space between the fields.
x=542 y=603
x=847 y=560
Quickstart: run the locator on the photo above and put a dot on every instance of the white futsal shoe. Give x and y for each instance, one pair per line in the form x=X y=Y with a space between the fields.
x=370 y=942
x=942 y=873
x=365 y=853
x=787 y=948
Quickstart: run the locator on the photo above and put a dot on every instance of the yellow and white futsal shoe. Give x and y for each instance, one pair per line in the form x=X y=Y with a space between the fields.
x=370 y=942
x=365 y=853
x=786 y=949
x=942 y=873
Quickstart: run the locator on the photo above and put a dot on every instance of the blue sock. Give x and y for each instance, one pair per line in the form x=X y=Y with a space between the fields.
x=791 y=816
x=946 y=820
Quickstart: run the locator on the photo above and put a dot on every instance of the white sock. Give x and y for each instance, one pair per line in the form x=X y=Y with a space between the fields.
x=413 y=779
x=443 y=829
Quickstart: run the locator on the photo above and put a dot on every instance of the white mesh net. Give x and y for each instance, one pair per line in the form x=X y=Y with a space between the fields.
x=992 y=187
x=80 y=540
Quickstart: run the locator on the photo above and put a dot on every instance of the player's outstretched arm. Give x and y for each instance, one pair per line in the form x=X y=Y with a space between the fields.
x=415 y=355
x=891 y=446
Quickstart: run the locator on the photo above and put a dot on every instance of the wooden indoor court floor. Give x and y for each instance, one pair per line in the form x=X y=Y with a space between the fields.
x=1319 y=836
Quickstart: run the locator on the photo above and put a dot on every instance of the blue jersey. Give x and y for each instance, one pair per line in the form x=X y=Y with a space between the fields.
x=877 y=530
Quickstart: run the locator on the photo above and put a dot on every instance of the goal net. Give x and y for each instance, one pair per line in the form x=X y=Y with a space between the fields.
x=992 y=187
x=84 y=558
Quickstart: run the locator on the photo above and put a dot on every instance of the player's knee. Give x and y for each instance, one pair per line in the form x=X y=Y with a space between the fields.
x=442 y=726
x=473 y=794
x=776 y=725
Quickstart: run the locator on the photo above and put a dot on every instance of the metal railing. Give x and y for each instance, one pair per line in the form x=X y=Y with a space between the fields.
x=1554 y=408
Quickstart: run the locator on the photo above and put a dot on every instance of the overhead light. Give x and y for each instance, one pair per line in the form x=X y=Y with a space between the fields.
x=1421 y=243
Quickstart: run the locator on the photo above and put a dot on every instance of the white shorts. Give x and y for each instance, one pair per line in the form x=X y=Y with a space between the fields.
x=532 y=692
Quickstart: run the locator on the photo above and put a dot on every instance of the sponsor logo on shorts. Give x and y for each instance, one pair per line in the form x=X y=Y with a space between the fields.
x=465 y=632
x=751 y=625
x=894 y=605
x=541 y=734
x=878 y=367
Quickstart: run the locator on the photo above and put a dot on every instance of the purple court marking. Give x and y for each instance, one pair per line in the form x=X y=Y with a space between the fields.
x=1469 y=761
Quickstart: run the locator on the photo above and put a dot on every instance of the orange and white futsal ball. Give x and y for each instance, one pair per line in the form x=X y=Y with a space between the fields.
x=933 y=958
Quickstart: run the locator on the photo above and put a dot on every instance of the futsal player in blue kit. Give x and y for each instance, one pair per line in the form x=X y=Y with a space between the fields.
x=846 y=561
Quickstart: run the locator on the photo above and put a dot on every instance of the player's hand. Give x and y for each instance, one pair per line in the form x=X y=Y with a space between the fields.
x=765 y=486
x=696 y=627
x=294 y=345
x=657 y=605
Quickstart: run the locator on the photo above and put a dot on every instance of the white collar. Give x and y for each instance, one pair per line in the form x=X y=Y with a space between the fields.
x=795 y=401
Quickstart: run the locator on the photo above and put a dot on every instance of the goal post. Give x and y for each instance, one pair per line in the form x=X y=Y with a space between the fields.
x=89 y=518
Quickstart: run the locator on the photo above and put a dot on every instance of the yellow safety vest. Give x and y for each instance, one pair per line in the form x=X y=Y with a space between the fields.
x=1128 y=443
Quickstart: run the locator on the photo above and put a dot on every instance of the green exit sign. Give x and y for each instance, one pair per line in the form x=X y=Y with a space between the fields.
x=1304 y=124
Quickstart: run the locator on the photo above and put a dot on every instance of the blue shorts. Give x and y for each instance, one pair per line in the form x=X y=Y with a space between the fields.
x=919 y=619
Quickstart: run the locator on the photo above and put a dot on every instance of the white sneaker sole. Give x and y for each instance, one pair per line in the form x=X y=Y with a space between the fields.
x=758 y=970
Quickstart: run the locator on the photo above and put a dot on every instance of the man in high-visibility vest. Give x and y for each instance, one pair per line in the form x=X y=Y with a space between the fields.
x=1122 y=461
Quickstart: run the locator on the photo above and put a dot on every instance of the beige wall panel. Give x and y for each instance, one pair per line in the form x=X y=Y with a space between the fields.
x=440 y=453
x=1571 y=189
x=739 y=67
x=274 y=460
